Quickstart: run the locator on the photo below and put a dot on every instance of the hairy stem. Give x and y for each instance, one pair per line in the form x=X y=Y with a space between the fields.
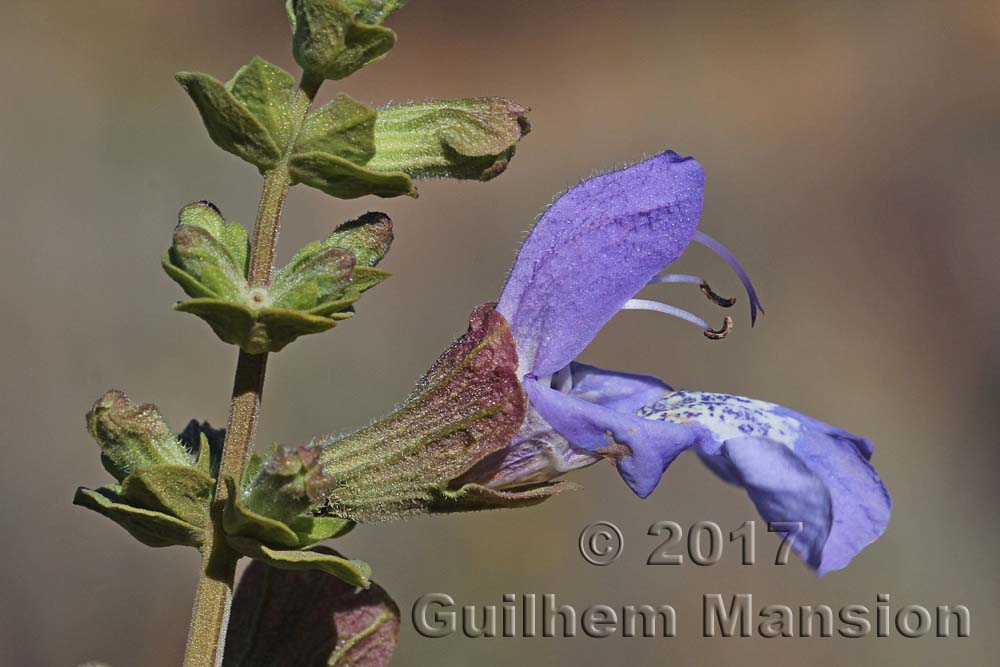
x=210 y=618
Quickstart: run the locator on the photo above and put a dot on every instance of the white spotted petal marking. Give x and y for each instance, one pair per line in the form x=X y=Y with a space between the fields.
x=726 y=416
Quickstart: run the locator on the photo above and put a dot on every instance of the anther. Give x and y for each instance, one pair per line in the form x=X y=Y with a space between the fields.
x=719 y=334
x=715 y=298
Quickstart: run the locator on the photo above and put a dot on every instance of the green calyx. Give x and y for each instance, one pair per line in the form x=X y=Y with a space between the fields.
x=208 y=259
x=335 y=38
x=165 y=480
x=466 y=139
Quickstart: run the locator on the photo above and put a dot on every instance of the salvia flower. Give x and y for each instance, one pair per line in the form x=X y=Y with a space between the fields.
x=636 y=222
x=589 y=255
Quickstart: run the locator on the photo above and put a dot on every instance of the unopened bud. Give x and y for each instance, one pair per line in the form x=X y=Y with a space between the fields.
x=132 y=437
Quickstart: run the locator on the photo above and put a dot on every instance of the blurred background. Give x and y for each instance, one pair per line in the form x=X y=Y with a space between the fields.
x=851 y=152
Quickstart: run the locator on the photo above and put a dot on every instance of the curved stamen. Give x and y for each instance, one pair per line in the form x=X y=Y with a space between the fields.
x=675 y=278
x=694 y=280
x=725 y=302
x=719 y=334
x=656 y=306
x=721 y=250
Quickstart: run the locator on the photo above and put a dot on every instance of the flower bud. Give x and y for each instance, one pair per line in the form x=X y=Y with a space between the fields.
x=132 y=437
x=165 y=480
x=467 y=139
x=289 y=481
x=335 y=38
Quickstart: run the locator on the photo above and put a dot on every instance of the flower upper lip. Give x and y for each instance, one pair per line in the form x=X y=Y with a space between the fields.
x=592 y=250
x=596 y=247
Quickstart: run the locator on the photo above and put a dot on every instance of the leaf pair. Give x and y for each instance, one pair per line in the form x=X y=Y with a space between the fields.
x=208 y=259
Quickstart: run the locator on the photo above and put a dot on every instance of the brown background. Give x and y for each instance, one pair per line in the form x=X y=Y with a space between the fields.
x=851 y=152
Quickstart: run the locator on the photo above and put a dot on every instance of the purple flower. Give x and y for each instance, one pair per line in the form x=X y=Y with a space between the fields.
x=591 y=252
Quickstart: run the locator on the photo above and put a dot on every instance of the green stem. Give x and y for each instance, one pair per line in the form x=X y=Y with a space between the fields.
x=210 y=617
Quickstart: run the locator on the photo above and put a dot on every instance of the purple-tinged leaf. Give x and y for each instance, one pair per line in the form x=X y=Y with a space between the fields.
x=309 y=619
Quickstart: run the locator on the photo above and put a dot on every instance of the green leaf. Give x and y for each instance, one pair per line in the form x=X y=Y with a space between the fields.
x=240 y=522
x=329 y=41
x=314 y=277
x=229 y=123
x=233 y=235
x=188 y=283
x=180 y=491
x=264 y=329
x=307 y=619
x=374 y=11
x=268 y=93
x=313 y=529
x=154 y=529
x=354 y=572
x=366 y=278
x=344 y=127
x=368 y=238
x=465 y=139
x=344 y=179
x=283 y=326
x=233 y=323
x=208 y=263
x=323 y=277
x=132 y=437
